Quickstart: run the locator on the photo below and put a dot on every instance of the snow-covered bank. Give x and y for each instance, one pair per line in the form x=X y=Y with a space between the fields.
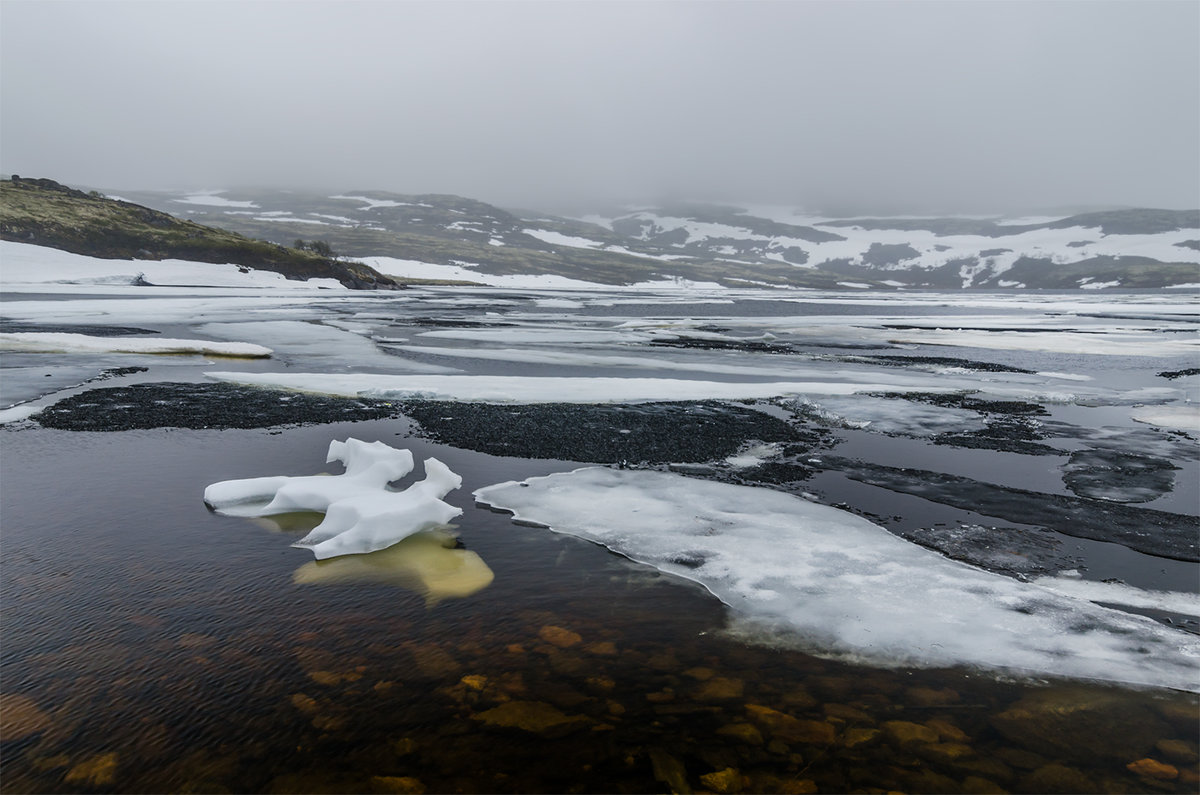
x=27 y=265
x=835 y=582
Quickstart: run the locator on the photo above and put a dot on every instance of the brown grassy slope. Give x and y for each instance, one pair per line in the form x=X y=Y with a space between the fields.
x=45 y=213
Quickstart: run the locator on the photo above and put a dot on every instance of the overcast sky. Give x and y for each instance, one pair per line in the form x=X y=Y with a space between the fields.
x=948 y=106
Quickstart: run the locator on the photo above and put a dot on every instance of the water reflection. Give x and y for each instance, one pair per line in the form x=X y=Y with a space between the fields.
x=294 y=522
x=427 y=563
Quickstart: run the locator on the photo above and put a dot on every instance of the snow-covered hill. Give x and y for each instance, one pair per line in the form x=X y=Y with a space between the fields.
x=450 y=237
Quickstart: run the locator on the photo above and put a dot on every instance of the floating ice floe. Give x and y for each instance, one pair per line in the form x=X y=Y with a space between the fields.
x=45 y=342
x=833 y=582
x=1185 y=418
x=361 y=513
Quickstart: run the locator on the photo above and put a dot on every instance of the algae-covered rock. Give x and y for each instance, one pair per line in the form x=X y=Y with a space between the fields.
x=1152 y=768
x=559 y=636
x=977 y=785
x=1057 y=778
x=742 y=732
x=720 y=688
x=724 y=781
x=397 y=785
x=789 y=729
x=902 y=732
x=859 y=736
x=533 y=716
x=669 y=771
x=96 y=771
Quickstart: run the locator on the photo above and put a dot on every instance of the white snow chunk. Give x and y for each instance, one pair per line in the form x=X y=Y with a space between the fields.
x=361 y=513
x=46 y=342
x=824 y=579
x=377 y=520
x=1185 y=417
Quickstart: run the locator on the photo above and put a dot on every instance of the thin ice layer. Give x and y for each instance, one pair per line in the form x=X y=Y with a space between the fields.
x=830 y=580
x=39 y=342
x=361 y=513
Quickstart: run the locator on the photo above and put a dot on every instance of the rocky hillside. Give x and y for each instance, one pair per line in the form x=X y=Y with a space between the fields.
x=46 y=213
x=470 y=240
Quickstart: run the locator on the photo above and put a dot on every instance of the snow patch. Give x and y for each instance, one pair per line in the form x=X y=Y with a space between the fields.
x=213 y=199
x=361 y=513
x=1186 y=418
x=827 y=580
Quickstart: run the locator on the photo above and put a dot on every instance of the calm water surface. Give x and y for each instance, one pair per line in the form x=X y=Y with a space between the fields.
x=156 y=646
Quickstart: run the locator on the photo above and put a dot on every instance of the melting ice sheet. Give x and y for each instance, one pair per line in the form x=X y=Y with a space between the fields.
x=361 y=513
x=832 y=581
x=49 y=342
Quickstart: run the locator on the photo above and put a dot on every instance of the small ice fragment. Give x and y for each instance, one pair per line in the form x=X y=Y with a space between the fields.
x=361 y=513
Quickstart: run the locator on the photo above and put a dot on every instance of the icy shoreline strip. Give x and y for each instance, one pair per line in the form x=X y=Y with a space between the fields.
x=833 y=582
x=46 y=342
x=528 y=389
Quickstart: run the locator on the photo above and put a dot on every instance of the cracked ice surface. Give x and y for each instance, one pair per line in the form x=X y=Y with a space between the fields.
x=361 y=513
x=829 y=580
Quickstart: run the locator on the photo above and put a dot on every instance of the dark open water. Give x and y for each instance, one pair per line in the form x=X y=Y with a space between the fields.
x=160 y=647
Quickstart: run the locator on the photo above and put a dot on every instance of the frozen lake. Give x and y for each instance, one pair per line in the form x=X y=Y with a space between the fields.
x=830 y=541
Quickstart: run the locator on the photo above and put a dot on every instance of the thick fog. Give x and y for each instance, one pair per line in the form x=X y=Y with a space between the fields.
x=870 y=106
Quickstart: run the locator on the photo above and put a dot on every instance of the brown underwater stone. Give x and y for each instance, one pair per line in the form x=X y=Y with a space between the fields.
x=533 y=716
x=20 y=717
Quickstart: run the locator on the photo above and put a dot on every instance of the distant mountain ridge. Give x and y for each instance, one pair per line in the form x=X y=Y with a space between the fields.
x=456 y=238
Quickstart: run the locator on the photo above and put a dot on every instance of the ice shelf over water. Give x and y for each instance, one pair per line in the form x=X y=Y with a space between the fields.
x=49 y=342
x=361 y=513
x=831 y=581
x=528 y=389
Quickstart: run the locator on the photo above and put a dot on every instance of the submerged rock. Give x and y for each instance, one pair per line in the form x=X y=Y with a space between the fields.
x=669 y=771
x=784 y=727
x=729 y=780
x=1152 y=768
x=533 y=716
x=20 y=717
x=559 y=636
x=399 y=785
x=96 y=771
x=1081 y=725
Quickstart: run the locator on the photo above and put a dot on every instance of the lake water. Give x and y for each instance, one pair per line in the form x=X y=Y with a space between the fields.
x=152 y=645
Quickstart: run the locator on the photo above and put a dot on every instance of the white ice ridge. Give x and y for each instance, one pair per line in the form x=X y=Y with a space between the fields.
x=48 y=342
x=361 y=513
x=548 y=389
x=830 y=581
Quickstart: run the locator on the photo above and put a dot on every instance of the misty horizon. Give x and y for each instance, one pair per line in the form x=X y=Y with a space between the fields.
x=841 y=108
